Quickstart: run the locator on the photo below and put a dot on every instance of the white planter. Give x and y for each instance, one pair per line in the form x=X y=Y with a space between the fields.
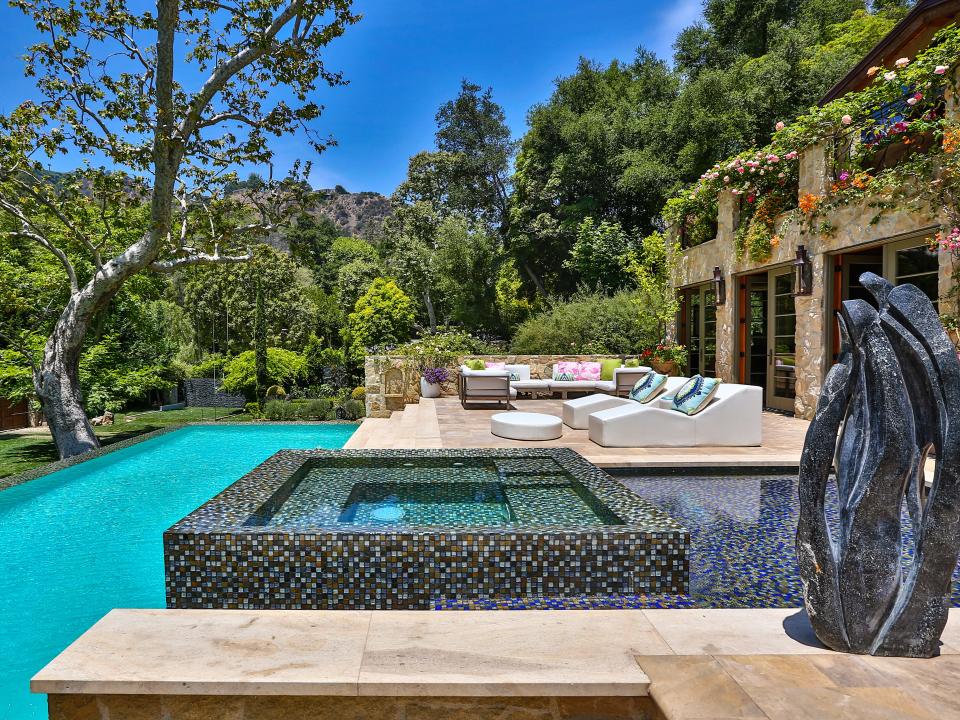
x=429 y=390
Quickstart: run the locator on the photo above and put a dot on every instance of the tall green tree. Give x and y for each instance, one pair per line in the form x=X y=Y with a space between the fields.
x=119 y=89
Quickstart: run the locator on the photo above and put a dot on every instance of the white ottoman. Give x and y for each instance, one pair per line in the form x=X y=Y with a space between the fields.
x=576 y=413
x=526 y=426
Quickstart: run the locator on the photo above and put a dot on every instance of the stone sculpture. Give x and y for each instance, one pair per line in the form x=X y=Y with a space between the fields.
x=892 y=400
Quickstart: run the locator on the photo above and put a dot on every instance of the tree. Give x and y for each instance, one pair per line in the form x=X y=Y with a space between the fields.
x=310 y=239
x=115 y=91
x=599 y=255
x=220 y=301
x=260 y=349
x=383 y=316
x=283 y=367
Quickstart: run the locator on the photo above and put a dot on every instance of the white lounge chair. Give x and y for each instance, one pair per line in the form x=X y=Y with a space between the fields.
x=576 y=413
x=733 y=418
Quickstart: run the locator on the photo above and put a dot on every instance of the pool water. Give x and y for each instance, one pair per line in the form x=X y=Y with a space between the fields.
x=742 y=545
x=84 y=540
x=433 y=492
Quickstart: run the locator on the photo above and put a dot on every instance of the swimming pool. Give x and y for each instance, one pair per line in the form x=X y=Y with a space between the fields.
x=83 y=540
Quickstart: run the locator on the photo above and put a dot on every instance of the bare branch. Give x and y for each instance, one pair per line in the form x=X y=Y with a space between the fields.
x=165 y=266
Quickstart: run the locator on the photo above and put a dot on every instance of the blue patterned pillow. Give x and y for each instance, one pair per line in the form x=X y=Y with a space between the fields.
x=648 y=387
x=695 y=394
x=514 y=376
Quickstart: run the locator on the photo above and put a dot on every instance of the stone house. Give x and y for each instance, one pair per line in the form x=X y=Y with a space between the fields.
x=773 y=323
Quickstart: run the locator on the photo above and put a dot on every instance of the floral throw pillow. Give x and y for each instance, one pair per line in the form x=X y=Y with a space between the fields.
x=588 y=371
x=695 y=395
x=495 y=365
x=565 y=371
x=648 y=387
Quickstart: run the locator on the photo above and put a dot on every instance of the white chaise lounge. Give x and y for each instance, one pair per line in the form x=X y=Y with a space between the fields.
x=576 y=413
x=733 y=418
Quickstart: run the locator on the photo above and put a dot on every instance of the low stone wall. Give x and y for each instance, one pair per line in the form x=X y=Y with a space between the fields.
x=203 y=392
x=390 y=384
x=274 y=707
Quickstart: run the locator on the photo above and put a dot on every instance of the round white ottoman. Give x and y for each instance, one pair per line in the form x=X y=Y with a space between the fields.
x=526 y=426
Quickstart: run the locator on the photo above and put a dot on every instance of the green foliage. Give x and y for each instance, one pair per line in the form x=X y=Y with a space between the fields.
x=513 y=305
x=311 y=239
x=284 y=367
x=383 y=315
x=593 y=324
x=358 y=393
x=220 y=301
x=213 y=365
x=440 y=349
x=354 y=409
x=599 y=255
x=353 y=279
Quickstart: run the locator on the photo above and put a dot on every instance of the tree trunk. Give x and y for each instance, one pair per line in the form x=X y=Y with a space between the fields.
x=59 y=391
x=431 y=313
x=536 y=279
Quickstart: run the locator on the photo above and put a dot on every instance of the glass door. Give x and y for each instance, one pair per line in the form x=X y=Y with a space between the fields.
x=700 y=330
x=756 y=321
x=781 y=340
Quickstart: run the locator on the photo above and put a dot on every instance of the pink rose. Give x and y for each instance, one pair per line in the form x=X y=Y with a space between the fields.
x=940 y=70
x=846 y=119
x=911 y=101
x=902 y=62
x=780 y=125
x=792 y=155
x=726 y=178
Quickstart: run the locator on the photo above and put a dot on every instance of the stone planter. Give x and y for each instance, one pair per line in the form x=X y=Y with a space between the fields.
x=430 y=390
x=664 y=368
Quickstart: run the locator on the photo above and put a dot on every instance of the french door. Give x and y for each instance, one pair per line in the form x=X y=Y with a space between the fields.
x=781 y=340
x=699 y=322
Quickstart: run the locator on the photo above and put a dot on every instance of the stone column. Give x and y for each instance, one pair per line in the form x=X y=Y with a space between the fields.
x=812 y=316
x=815 y=169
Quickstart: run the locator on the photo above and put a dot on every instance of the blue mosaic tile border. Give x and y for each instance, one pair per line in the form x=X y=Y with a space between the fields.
x=215 y=560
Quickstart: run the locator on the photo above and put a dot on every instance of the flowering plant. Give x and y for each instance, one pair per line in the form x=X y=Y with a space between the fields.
x=665 y=352
x=436 y=375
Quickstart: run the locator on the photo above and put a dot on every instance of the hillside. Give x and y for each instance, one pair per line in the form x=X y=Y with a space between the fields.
x=355 y=214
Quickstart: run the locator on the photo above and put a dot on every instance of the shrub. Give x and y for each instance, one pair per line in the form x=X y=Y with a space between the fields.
x=354 y=409
x=209 y=366
x=359 y=393
x=383 y=315
x=440 y=349
x=279 y=410
x=593 y=324
x=252 y=409
x=284 y=367
x=316 y=409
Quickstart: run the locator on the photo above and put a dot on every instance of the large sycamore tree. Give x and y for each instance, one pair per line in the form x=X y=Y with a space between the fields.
x=160 y=103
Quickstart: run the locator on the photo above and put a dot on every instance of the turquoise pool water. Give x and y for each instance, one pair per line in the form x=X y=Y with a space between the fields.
x=87 y=539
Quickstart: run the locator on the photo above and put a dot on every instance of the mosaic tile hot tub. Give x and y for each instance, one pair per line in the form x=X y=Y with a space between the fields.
x=378 y=529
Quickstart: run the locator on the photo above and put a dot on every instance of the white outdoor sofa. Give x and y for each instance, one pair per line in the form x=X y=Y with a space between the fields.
x=624 y=379
x=496 y=385
x=576 y=413
x=733 y=418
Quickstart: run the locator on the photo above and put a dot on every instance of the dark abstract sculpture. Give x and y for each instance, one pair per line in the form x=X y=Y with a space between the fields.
x=892 y=399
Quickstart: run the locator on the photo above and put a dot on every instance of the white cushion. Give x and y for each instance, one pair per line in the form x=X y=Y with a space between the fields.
x=576 y=413
x=526 y=426
x=531 y=384
x=522 y=372
x=559 y=385
x=605 y=385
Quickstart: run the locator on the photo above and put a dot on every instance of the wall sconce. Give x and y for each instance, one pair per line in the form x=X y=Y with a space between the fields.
x=719 y=286
x=802 y=273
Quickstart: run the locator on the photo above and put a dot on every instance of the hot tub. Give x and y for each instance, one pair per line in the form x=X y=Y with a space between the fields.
x=379 y=529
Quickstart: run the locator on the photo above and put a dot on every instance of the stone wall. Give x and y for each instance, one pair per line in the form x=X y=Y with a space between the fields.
x=329 y=707
x=853 y=226
x=390 y=384
x=203 y=392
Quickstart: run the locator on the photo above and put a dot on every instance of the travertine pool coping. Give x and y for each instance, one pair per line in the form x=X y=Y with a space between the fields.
x=703 y=663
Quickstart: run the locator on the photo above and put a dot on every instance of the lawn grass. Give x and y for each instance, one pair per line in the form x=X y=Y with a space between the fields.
x=19 y=453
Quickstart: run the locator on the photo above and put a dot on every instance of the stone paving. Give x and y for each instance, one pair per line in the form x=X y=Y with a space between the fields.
x=444 y=423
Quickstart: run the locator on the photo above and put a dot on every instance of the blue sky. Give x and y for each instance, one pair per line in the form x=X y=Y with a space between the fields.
x=404 y=59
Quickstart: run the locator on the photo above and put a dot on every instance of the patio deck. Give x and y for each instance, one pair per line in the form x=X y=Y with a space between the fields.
x=443 y=423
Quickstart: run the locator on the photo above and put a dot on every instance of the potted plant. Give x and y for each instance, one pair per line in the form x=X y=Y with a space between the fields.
x=666 y=358
x=431 y=381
